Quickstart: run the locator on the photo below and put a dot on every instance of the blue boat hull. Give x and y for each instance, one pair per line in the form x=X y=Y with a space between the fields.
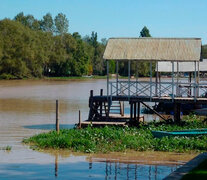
x=188 y=133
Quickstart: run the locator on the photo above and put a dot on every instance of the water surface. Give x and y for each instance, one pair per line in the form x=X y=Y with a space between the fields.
x=27 y=107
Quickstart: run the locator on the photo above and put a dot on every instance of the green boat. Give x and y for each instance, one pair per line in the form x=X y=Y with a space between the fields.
x=188 y=133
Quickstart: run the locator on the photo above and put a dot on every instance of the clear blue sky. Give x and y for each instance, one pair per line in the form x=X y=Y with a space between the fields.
x=120 y=18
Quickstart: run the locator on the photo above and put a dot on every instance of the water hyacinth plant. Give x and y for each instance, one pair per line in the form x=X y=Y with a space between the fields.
x=119 y=139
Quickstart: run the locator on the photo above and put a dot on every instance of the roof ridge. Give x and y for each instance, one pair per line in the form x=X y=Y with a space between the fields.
x=174 y=38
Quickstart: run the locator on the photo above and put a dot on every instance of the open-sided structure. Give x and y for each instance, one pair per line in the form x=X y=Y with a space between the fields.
x=171 y=51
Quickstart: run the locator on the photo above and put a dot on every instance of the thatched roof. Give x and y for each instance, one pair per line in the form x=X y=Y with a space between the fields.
x=156 y=49
x=182 y=66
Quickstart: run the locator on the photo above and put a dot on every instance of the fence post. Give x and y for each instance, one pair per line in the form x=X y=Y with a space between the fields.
x=79 y=119
x=57 y=117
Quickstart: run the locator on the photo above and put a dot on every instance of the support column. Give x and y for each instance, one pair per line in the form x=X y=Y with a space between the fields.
x=198 y=78
x=177 y=111
x=177 y=87
x=195 y=84
x=160 y=84
x=107 y=72
x=136 y=78
x=135 y=112
x=190 y=77
x=108 y=100
x=129 y=69
x=117 y=77
x=131 y=111
x=101 y=103
x=138 y=112
x=150 y=80
x=156 y=80
x=173 y=80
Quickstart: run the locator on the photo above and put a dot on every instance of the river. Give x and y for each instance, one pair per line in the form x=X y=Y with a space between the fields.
x=27 y=107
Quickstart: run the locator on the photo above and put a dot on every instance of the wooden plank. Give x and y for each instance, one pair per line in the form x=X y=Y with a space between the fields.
x=154 y=111
x=154 y=99
x=102 y=123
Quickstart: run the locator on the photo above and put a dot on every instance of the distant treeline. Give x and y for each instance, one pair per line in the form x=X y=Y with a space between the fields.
x=36 y=48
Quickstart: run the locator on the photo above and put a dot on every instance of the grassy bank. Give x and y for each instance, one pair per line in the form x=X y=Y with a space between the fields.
x=115 y=139
x=199 y=172
x=75 y=78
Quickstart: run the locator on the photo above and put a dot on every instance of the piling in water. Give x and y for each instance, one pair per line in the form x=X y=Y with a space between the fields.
x=57 y=117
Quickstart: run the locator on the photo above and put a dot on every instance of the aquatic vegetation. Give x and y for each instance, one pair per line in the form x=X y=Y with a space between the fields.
x=114 y=139
x=6 y=148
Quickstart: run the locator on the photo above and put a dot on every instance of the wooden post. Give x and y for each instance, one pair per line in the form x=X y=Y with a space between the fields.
x=190 y=92
x=101 y=104
x=129 y=74
x=177 y=107
x=195 y=82
x=136 y=78
x=156 y=79
x=121 y=108
x=198 y=78
x=138 y=112
x=91 y=93
x=57 y=117
x=150 y=80
x=117 y=78
x=159 y=75
x=177 y=87
x=107 y=72
x=173 y=81
x=56 y=165
x=79 y=119
x=135 y=111
x=131 y=111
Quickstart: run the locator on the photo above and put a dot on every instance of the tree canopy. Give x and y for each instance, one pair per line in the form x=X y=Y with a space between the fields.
x=36 y=48
x=145 y=32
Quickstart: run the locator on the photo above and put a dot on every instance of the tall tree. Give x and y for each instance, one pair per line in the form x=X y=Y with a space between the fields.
x=104 y=41
x=28 y=21
x=61 y=24
x=21 y=18
x=145 y=32
x=93 y=39
x=47 y=24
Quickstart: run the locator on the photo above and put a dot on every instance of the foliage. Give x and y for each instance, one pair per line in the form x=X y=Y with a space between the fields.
x=31 y=48
x=145 y=32
x=61 y=24
x=6 y=148
x=204 y=51
x=47 y=24
x=35 y=48
x=199 y=172
x=107 y=139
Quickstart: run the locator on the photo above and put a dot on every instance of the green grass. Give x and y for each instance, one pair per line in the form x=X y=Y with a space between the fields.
x=119 y=139
x=75 y=78
x=198 y=173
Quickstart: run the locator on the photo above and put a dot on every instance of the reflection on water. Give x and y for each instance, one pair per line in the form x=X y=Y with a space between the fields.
x=84 y=170
x=28 y=107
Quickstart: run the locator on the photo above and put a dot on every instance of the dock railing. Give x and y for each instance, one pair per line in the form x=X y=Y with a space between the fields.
x=161 y=89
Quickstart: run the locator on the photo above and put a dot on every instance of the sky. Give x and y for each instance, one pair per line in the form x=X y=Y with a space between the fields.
x=120 y=18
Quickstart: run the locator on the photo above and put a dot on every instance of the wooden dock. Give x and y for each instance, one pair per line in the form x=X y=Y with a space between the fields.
x=137 y=91
x=101 y=107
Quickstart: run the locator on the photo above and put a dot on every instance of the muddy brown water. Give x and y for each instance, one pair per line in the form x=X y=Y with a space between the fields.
x=27 y=107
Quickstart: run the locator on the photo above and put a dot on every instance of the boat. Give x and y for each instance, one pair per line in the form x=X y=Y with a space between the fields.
x=188 y=133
